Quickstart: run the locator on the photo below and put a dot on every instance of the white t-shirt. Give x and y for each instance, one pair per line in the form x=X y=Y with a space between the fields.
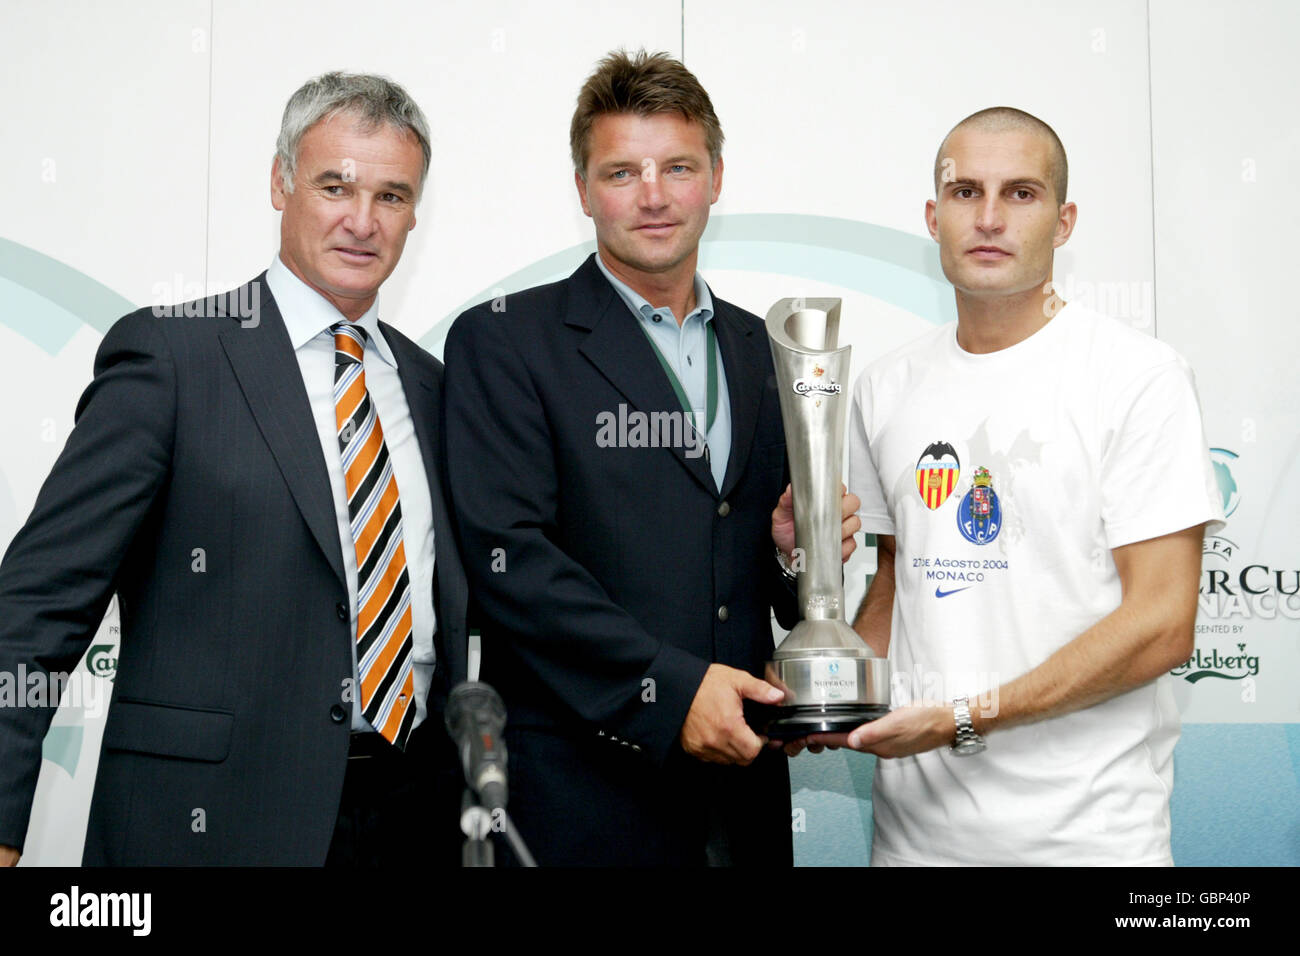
x=1007 y=478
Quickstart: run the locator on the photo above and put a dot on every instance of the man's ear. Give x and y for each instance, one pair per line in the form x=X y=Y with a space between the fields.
x=1065 y=221
x=932 y=219
x=717 y=181
x=582 y=191
x=277 y=185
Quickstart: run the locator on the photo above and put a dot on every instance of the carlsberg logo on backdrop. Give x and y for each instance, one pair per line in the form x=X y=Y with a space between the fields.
x=1224 y=665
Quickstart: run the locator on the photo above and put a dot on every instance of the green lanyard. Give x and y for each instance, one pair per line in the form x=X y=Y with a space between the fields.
x=711 y=389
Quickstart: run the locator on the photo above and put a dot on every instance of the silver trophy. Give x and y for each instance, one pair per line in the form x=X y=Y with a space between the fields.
x=831 y=679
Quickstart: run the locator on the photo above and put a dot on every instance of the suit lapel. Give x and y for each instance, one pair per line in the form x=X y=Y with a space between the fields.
x=422 y=398
x=745 y=378
x=421 y=393
x=264 y=363
x=618 y=348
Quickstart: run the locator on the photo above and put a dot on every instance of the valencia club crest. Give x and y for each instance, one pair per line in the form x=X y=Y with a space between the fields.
x=936 y=473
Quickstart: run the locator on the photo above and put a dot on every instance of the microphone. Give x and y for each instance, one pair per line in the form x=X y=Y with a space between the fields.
x=475 y=719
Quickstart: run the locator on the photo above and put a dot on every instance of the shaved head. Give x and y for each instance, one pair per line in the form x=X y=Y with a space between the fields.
x=1006 y=119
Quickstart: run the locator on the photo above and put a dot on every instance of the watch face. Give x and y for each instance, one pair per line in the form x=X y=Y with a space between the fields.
x=964 y=748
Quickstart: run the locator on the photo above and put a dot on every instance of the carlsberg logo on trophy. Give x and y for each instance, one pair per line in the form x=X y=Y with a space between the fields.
x=831 y=679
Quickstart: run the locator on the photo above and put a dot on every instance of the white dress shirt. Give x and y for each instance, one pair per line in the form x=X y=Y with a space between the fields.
x=308 y=318
x=684 y=348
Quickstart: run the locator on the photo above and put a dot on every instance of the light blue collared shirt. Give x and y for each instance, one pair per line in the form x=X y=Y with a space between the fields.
x=308 y=317
x=683 y=348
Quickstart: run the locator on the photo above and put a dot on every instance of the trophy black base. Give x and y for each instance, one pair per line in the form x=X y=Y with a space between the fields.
x=792 y=723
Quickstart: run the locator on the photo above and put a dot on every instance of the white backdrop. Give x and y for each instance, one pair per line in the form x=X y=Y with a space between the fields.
x=138 y=142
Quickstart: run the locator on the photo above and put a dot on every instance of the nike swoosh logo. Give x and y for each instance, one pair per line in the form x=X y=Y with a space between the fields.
x=938 y=593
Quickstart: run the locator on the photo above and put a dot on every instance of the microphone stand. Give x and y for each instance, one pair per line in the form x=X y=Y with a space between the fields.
x=476 y=822
x=475 y=717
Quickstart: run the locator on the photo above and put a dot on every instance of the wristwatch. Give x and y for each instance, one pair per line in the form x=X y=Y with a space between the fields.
x=968 y=742
x=786 y=570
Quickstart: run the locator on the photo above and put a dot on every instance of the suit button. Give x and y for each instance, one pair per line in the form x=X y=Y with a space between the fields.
x=724 y=509
x=341 y=610
x=723 y=613
x=338 y=714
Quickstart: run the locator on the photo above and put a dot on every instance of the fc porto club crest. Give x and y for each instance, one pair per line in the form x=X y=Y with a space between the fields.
x=979 y=516
x=937 y=471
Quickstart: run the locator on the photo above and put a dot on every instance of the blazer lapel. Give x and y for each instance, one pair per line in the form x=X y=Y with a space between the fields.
x=423 y=399
x=264 y=363
x=746 y=373
x=421 y=393
x=619 y=349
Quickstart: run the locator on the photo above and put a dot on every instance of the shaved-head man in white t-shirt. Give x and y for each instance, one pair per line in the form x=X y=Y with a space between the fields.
x=1039 y=483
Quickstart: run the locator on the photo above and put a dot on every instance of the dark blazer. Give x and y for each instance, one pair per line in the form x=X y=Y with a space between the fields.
x=609 y=578
x=194 y=486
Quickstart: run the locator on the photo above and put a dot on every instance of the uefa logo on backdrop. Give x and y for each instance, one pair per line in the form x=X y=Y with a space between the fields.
x=1221 y=459
x=1229 y=496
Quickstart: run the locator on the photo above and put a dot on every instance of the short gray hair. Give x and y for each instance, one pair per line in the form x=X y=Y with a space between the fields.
x=374 y=100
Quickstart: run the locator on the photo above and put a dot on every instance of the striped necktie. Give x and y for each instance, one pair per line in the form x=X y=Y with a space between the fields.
x=384 y=642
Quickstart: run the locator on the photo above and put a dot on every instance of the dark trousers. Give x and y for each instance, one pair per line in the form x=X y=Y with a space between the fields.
x=590 y=802
x=400 y=808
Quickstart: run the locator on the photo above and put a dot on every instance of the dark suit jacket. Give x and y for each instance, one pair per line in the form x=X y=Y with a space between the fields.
x=196 y=433
x=609 y=578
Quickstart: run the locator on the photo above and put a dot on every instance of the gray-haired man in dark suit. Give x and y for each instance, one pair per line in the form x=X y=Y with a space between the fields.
x=288 y=684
